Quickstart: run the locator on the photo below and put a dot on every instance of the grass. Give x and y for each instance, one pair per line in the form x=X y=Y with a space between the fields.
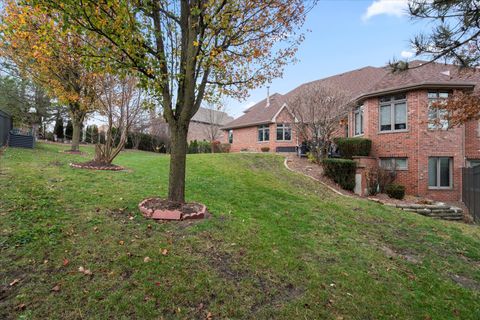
x=278 y=246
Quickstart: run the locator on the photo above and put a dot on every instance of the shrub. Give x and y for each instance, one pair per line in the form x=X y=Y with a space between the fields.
x=49 y=136
x=225 y=147
x=342 y=171
x=395 y=191
x=378 y=179
x=351 y=147
x=311 y=157
x=265 y=149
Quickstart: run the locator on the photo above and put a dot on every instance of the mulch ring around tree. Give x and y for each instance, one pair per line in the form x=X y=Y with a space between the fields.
x=163 y=209
x=95 y=165
x=76 y=152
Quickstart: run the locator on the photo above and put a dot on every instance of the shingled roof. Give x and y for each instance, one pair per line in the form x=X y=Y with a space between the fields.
x=368 y=82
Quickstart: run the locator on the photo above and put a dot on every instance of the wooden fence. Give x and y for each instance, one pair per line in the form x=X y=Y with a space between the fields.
x=471 y=191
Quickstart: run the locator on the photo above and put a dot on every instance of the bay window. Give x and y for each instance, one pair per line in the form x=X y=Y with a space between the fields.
x=393 y=113
x=358 y=121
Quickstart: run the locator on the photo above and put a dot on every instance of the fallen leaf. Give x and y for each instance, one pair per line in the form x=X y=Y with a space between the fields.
x=20 y=306
x=56 y=288
x=95 y=229
x=164 y=252
x=81 y=269
x=65 y=262
x=121 y=242
x=209 y=316
x=14 y=282
x=146 y=259
x=88 y=272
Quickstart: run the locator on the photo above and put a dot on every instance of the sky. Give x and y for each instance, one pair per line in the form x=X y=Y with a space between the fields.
x=344 y=35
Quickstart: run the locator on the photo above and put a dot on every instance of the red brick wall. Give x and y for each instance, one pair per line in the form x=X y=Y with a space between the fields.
x=417 y=143
x=246 y=139
x=472 y=140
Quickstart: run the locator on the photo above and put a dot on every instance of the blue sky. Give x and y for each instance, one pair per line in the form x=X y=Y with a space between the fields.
x=345 y=35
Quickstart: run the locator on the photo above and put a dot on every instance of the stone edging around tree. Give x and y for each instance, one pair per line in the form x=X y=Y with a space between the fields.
x=90 y=167
x=170 y=214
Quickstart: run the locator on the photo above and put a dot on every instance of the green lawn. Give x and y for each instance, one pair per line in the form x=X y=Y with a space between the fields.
x=278 y=246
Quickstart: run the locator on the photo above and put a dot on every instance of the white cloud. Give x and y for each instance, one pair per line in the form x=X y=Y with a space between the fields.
x=406 y=54
x=389 y=7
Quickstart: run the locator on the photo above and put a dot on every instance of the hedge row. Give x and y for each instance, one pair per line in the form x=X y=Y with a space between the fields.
x=351 y=147
x=342 y=171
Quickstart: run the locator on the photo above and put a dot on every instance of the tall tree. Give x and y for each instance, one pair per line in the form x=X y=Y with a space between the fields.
x=49 y=54
x=185 y=51
x=454 y=38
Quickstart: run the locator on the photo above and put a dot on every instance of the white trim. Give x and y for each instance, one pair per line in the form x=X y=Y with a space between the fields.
x=274 y=119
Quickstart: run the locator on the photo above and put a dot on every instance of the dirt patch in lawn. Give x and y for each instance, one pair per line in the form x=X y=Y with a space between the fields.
x=465 y=282
x=164 y=209
x=75 y=152
x=95 y=165
x=408 y=256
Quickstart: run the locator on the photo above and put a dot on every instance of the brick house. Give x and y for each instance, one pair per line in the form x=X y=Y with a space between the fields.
x=393 y=111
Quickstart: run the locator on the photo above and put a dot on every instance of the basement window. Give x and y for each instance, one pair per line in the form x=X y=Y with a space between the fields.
x=263 y=133
x=440 y=173
x=394 y=163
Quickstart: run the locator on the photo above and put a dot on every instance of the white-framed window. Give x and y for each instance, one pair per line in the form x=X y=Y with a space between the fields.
x=437 y=117
x=284 y=132
x=393 y=113
x=440 y=173
x=358 y=121
x=263 y=132
x=394 y=163
x=230 y=136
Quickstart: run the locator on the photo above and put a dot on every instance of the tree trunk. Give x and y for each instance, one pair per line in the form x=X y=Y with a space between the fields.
x=77 y=125
x=178 y=159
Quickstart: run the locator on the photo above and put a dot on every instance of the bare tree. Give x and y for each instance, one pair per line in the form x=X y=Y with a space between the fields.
x=215 y=117
x=319 y=111
x=121 y=104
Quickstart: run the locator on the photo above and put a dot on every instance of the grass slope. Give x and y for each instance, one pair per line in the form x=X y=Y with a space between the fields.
x=279 y=246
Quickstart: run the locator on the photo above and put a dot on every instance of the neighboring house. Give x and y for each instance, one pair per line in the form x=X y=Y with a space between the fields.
x=204 y=125
x=393 y=111
x=268 y=123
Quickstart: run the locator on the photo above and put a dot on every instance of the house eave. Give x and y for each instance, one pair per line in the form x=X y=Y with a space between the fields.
x=423 y=85
x=246 y=125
